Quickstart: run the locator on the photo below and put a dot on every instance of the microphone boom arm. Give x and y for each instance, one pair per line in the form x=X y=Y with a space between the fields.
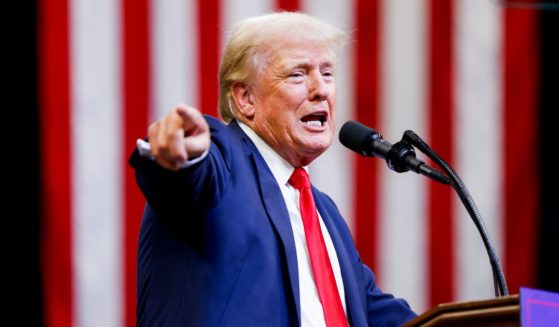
x=499 y=281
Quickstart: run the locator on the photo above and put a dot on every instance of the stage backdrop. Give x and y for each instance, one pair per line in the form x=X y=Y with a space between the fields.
x=463 y=74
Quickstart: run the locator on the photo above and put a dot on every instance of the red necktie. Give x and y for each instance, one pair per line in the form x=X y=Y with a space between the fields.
x=320 y=261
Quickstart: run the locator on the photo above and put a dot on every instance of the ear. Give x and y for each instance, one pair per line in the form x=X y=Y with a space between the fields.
x=243 y=99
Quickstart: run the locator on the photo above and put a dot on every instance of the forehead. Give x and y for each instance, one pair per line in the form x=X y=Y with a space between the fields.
x=289 y=52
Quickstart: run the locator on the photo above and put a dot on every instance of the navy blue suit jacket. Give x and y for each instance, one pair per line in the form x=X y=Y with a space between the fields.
x=216 y=246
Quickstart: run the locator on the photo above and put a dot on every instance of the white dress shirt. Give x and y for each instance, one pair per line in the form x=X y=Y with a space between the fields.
x=311 y=308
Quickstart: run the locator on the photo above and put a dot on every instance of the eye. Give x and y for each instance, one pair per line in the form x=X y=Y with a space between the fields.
x=297 y=76
x=327 y=73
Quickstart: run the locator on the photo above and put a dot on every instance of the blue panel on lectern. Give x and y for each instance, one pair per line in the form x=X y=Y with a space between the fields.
x=539 y=308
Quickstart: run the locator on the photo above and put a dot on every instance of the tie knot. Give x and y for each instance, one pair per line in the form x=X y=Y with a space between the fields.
x=299 y=179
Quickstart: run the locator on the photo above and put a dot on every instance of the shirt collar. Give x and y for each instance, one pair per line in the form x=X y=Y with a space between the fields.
x=281 y=168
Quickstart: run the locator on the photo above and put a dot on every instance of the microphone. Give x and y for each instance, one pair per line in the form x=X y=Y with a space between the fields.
x=399 y=157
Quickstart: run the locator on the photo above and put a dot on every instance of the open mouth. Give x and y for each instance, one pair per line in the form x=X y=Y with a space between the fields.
x=317 y=119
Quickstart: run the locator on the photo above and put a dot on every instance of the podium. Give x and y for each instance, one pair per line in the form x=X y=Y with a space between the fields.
x=504 y=311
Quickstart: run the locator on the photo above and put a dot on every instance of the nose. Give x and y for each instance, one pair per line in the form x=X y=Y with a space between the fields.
x=319 y=88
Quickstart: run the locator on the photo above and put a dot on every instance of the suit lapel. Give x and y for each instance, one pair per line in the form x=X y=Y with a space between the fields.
x=277 y=212
x=351 y=289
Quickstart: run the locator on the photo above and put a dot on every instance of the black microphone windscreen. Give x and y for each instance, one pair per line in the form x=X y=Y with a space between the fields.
x=354 y=136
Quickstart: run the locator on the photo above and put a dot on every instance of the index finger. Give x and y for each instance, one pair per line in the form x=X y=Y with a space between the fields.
x=193 y=120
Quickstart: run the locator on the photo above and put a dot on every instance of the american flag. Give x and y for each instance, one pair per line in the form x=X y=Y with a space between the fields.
x=463 y=74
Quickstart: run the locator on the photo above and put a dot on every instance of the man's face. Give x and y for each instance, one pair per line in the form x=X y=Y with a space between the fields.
x=294 y=99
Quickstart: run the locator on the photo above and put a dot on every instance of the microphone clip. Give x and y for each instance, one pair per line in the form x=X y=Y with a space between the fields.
x=399 y=155
x=401 y=158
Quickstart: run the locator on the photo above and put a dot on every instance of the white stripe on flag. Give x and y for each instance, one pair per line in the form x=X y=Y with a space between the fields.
x=96 y=150
x=332 y=172
x=234 y=11
x=477 y=140
x=402 y=219
x=174 y=52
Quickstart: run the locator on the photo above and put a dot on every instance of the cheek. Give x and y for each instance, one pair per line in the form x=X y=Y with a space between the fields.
x=332 y=124
x=293 y=94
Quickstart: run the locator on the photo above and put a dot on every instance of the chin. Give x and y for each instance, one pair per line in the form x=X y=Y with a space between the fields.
x=318 y=147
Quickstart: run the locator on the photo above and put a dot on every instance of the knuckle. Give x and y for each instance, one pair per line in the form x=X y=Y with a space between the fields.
x=177 y=155
x=152 y=128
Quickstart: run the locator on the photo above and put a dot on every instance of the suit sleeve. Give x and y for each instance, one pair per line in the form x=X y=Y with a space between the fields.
x=383 y=309
x=193 y=189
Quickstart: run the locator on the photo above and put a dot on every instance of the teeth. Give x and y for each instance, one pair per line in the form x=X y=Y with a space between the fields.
x=315 y=123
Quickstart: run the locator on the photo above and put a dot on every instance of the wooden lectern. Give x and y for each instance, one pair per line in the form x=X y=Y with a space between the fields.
x=504 y=311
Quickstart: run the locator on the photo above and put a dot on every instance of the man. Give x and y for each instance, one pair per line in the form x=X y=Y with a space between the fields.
x=233 y=235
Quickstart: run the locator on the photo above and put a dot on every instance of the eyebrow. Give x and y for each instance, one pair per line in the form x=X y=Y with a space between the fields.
x=295 y=65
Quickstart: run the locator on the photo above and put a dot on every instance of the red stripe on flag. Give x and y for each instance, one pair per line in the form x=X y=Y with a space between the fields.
x=136 y=100
x=366 y=70
x=208 y=54
x=288 y=5
x=520 y=145
x=55 y=118
x=441 y=105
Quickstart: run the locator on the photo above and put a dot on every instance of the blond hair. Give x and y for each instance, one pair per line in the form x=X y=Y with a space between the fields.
x=249 y=39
